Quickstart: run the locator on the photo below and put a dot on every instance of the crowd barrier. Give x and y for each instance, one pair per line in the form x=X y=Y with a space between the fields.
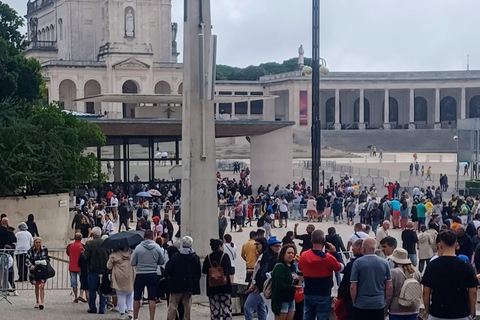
x=59 y=262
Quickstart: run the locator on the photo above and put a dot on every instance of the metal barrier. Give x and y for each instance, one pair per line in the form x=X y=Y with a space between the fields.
x=59 y=262
x=4 y=270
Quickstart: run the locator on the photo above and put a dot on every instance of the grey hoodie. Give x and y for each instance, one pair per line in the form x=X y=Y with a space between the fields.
x=146 y=257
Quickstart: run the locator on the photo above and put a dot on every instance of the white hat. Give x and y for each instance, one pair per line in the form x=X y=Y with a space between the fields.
x=400 y=256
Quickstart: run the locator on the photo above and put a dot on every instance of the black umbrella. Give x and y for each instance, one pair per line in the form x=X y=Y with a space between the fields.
x=123 y=239
x=282 y=192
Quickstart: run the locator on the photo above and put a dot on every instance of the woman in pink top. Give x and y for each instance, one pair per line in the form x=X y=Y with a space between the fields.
x=311 y=209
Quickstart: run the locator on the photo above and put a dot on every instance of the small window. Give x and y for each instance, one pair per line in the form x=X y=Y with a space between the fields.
x=60 y=29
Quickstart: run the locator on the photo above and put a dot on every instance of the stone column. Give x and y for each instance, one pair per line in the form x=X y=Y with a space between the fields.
x=337 y=125
x=198 y=138
x=117 y=165
x=361 y=113
x=411 y=125
x=232 y=114
x=263 y=148
x=463 y=104
x=249 y=108
x=437 y=124
x=76 y=105
x=386 y=108
x=217 y=110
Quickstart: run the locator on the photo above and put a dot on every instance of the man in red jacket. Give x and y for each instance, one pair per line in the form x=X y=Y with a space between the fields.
x=74 y=250
x=317 y=266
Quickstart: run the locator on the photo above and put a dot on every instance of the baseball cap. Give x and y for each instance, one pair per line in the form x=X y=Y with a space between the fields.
x=273 y=240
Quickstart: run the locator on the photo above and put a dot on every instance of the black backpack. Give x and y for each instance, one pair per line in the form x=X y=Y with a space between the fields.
x=261 y=221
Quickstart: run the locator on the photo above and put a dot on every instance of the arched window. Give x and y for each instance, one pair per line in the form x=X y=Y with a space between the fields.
x=129 y=108
x=60 y=29
x=366 y=110
x=420 y=109
x=474 y=107
x=162 y=87
x=448 y=109
x=330 y=111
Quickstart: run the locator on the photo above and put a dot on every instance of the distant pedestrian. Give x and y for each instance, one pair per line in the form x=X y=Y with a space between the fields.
x=37 y=260
x=24 y=243
x=74 y=250
x=123 y=276
x=32 y=226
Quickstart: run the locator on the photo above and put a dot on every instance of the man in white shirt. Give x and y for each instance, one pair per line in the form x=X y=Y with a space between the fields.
x=282 y=204
x=107 y=226
x=382 y=232
x=357 y=234
x=114 y=204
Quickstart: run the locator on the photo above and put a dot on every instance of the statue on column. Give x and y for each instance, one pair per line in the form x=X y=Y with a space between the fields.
x=174 y=37
x=301 y=58
x=129 y=23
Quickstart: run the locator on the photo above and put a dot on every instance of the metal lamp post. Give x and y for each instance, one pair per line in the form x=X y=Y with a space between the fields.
x=318 y=66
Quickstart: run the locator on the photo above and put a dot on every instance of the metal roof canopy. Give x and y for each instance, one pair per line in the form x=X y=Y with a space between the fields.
x=139 y=98
x=155 y=127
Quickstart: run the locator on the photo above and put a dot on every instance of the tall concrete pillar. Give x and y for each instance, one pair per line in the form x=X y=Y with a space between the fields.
x=361 y=120
x=199 y=200
x=263 y=149
x=463 y=104
x=412 y=110
x=249 y=109
x=386 y=106
x=437 y=124
x=337 y=125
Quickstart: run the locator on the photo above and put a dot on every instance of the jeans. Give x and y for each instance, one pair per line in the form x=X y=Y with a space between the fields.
x=374 y=227
x=337 y=276
x=403 y=317
x=255 y=302
x=413 y=258
x=317 y=306
x=93 y=285
x=421 y=221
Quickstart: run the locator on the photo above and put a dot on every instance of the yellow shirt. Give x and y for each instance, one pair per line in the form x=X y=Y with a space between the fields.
x=249 y=253
x=428 y=207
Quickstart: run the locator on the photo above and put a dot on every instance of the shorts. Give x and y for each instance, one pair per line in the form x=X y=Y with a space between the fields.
x=238 y=220
x=284 y=215
x=287 y=307
x=350 y=214
x=148 y=280
x=73 y=279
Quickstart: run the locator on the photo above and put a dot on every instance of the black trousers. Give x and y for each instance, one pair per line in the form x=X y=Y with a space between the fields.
x=369 y=314
x=21 y=267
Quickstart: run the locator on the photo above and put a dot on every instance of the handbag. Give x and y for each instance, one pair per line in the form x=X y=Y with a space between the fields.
x=50 y=271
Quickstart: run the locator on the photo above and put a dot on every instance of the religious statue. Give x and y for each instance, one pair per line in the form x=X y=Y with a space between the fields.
x=33 y=29
x=129 y=23
x=301 y=58
x=174 y=37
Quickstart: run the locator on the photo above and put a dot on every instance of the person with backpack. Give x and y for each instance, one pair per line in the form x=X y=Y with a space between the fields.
x=407 y=290
x=254 y=301
x=217 y=267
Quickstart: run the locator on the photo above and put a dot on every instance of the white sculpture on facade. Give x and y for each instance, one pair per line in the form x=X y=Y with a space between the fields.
x=129 y=23
x=301 y=58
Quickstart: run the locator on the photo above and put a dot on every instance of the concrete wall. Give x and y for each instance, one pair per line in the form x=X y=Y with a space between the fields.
x=271 y=158
x=53 y=221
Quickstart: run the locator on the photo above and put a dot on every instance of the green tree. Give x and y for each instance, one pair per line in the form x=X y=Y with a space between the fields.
x=19 y=77
x=41 y=149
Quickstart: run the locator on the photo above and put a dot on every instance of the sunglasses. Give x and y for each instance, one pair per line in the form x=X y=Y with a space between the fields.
x=277 y=245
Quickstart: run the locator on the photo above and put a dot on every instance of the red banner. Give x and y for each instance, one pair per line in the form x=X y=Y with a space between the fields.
x=303 y=108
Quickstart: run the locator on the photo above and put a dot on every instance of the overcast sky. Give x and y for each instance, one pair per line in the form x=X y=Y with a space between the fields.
x=356 y=35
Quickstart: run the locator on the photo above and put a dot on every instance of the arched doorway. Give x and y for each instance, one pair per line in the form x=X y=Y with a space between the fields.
x=92 y=87
x=474 y=107
x=366 y=110
x=129 y=108
x=67 y=95
x=448 y=109
x=180 y=88
x=330 y=111
x=162 y=87
x=420 y=109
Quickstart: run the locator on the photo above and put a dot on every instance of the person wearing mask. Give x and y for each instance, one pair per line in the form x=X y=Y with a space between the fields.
x=403 y=270
x=425 y=251
x=284 y=283
x=254 y=300
x=73 y=251
x=455 y=297
x=122 y=281
x=24 y=243
x=231 y=250
x=249 y=255
x=146 y=258
x=37 y=260
x=96 y=257
x=183 y=273
x=410 y=241
x=344 y=288
x=370 y=283
x=219 y=296
x=317 y=266
x=32 y=226
x=305 y=238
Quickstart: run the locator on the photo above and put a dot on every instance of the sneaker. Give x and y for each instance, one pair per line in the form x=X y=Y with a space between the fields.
x=15 y=293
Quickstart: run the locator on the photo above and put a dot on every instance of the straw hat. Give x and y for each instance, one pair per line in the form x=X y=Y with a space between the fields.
x=400 y=256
